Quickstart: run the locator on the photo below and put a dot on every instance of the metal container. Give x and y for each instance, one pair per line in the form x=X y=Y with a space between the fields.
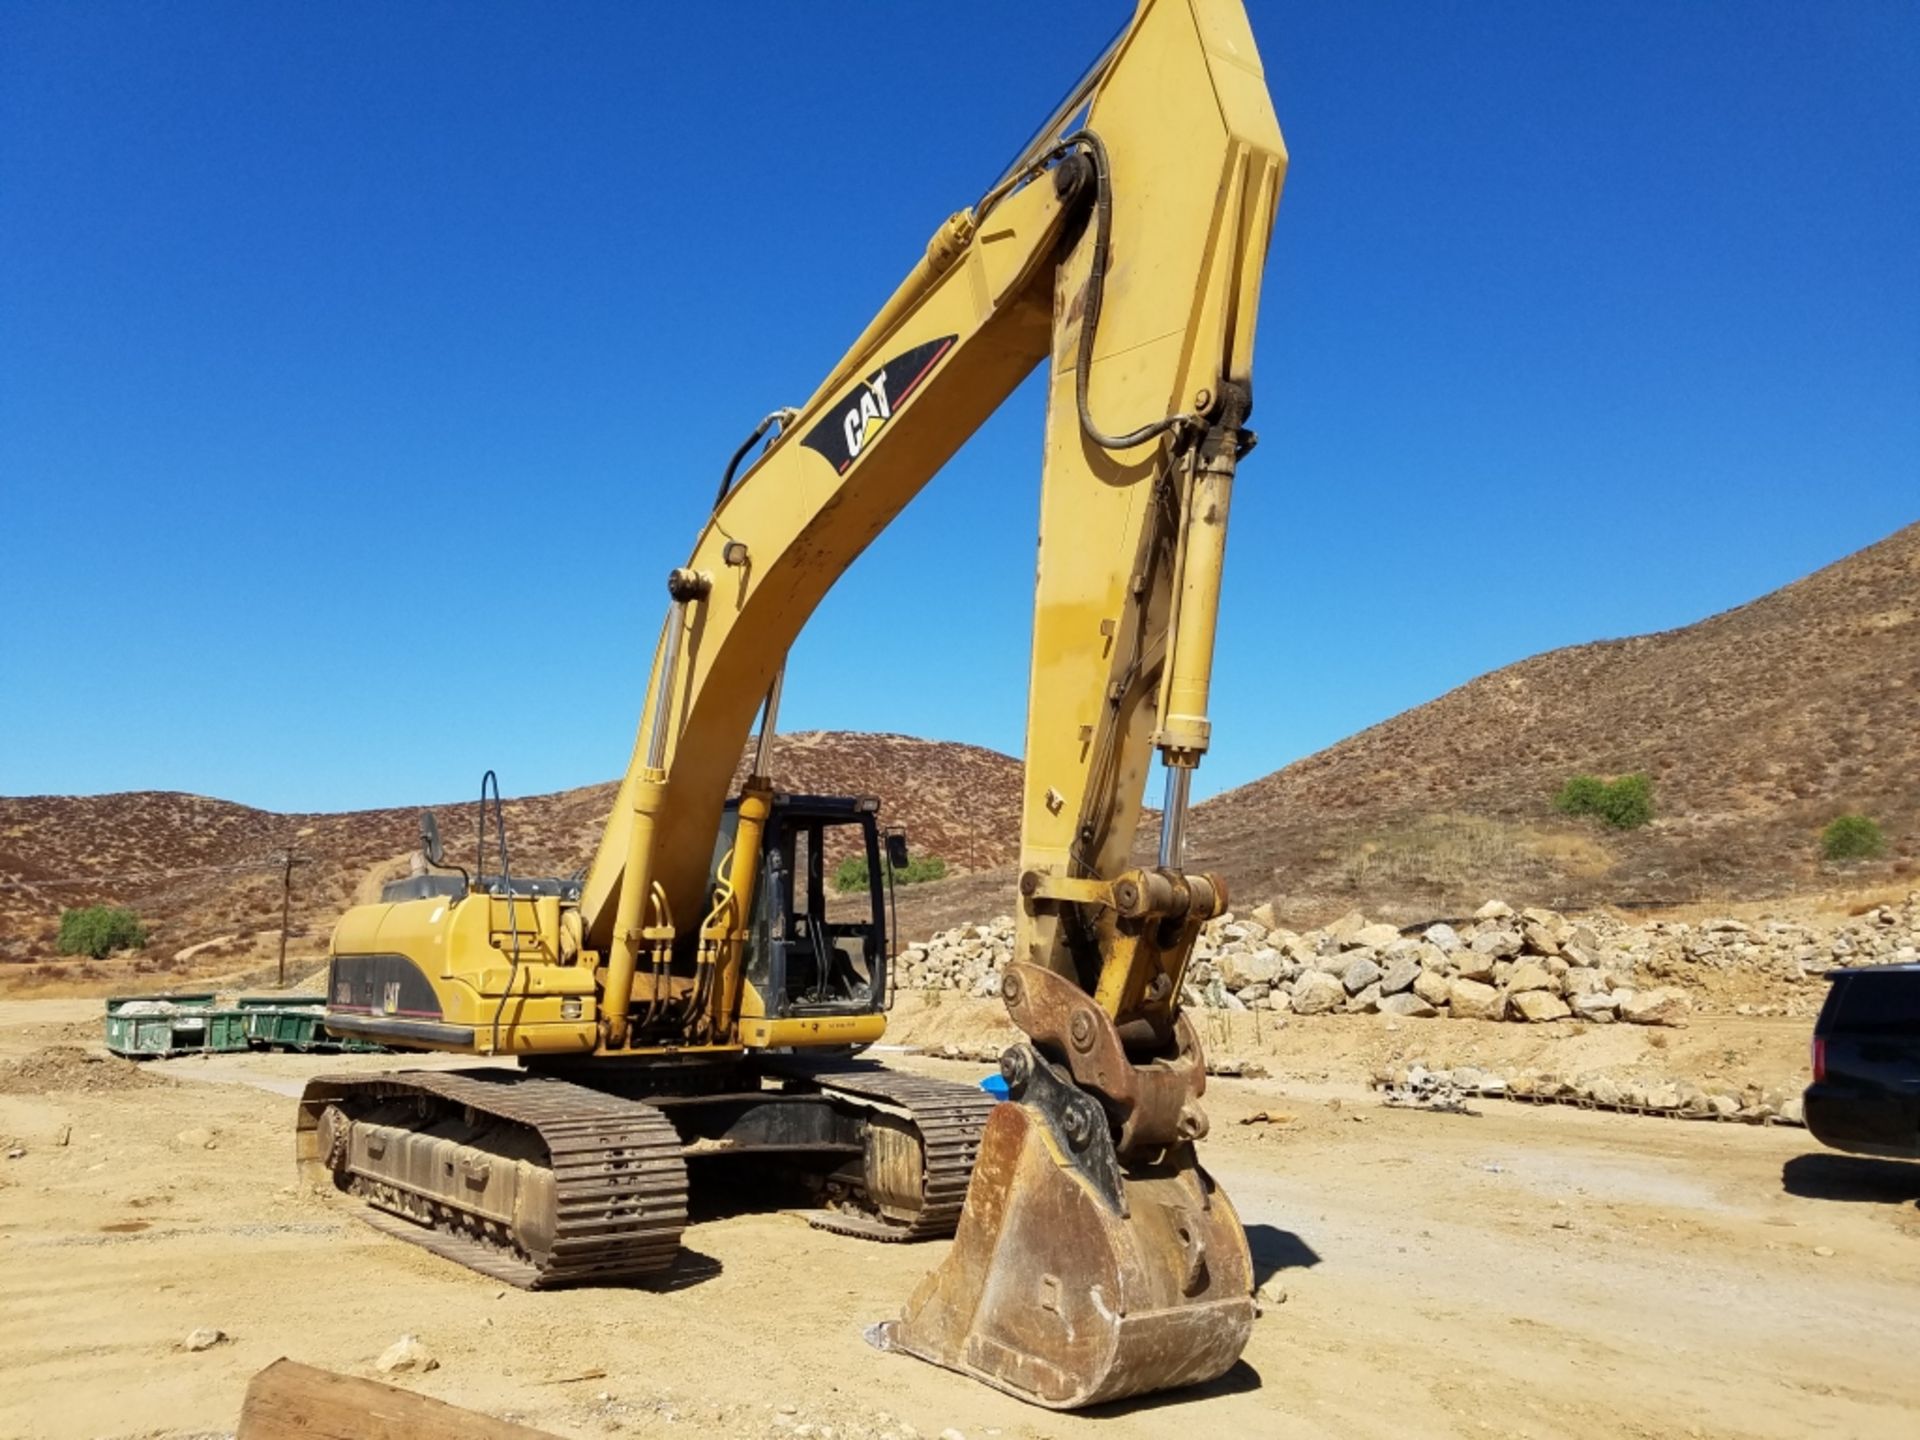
x=151 y=1026
x=293 y=1022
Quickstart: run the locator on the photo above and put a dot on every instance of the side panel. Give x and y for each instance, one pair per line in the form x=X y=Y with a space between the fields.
x=811 y=1030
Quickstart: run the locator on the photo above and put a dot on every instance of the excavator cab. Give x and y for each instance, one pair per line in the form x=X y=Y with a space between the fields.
x=817 y=940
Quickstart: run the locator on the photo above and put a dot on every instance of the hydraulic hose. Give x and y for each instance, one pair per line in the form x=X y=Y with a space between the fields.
x=1096 y=148
x=506 y=879
x=782 y=417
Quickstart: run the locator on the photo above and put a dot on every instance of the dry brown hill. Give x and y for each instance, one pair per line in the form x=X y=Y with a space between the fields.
x=201 y=870
x=1757 y=726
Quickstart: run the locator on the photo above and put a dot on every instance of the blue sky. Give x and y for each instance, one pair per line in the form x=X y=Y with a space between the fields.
x=363 y=367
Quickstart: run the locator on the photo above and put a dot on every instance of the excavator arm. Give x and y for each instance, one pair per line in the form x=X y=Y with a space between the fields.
x=1170 y=186
x=1125 y=246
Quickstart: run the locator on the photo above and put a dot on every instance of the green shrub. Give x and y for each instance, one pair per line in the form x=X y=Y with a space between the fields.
x=1581 y=795
x=1628 y=803
x=1625 y=803
x=99 y=930
x=851 y=873
x=1851 y=837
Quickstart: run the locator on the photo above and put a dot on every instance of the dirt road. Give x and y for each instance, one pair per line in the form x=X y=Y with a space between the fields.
x=1524 y=1272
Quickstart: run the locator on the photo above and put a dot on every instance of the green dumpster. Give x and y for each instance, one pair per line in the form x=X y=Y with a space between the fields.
x=293 y=1022
x=226 y=1030
x=150 y=1026
x=285 y=1027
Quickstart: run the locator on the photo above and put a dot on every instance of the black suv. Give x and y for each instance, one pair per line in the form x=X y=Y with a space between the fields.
x=1865 y=1095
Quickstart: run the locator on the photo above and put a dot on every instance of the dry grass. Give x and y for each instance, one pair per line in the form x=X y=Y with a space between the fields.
x=1757 y=726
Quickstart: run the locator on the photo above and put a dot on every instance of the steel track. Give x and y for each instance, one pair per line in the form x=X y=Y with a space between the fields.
x=619 y=1177
x=619 y=1164
x=949 y=1117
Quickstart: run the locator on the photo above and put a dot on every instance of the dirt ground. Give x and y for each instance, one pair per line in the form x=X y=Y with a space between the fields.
x=1520 y=1272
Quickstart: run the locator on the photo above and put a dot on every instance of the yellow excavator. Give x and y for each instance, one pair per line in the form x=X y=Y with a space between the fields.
x=699 y=996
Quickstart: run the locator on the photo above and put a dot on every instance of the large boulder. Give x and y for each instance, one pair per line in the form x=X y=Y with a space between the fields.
x=1472 y=965
x=1496 y=941
x=1360 y=973
x=1528 y=975
x=1317 y=992
x=1552 y=921
x=1444 y=936
x=1594 y=1005
x=1580 y=982
x=1470 y=1000
x=1409 y=946
x=1366 y=1001
x=1375 y=937
x=1493 y=910
x=1602 y=1090
x=1431 y=986
x=1662 y=1005
x=1693 y=1100
x=1249 y=967
x=1540 y=940
x=1400 y=975
x=1303 y=949
x=1408 y=1004
x=1346 y=927
x=1537 y=1006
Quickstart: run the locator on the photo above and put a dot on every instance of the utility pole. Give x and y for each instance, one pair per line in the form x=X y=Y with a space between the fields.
x=289 y=860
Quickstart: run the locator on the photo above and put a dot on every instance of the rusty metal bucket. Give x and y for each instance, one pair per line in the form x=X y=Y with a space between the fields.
x=1071 y=1282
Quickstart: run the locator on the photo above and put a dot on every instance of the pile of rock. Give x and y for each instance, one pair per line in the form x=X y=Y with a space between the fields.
x=1632 y=1091
x=967 y=957
x=1531 y=966
x=1789 y=950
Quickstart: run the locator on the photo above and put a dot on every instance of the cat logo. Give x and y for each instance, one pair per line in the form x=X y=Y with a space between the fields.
x=843 y=435
x=868 y=416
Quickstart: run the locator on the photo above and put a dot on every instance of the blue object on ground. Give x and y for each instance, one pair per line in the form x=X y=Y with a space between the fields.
x=995 y=1085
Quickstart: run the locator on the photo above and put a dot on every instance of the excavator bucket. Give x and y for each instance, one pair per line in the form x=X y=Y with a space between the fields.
x=1071 y=1281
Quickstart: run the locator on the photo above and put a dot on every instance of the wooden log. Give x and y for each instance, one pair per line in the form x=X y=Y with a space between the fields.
x=291 y=1401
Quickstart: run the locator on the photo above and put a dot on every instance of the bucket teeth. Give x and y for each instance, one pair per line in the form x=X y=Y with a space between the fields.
x=1054 y=1294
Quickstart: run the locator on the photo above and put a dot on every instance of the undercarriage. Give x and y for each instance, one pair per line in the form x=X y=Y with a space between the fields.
x=541 y=1181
